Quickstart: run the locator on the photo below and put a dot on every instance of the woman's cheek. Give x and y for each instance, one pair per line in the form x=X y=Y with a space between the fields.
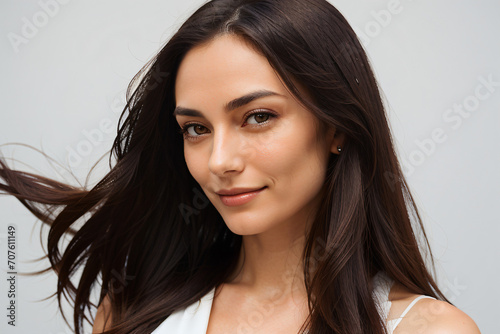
x=195 y=163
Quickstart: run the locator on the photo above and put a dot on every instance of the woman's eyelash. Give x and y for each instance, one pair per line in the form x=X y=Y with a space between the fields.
x=184 y=129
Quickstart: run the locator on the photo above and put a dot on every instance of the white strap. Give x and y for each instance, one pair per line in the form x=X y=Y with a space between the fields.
x=408 y=308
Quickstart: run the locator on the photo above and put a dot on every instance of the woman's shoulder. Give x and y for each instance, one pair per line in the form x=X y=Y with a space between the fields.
x=427 y=315
x=103 y=316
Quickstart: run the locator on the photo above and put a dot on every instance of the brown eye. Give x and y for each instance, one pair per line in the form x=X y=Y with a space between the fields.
x=192 y=130
x=259 y=117
x=198 y=127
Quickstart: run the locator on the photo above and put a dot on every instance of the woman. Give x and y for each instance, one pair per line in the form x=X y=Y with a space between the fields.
x=255 y=173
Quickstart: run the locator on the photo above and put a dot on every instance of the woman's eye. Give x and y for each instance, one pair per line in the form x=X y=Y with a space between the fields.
x=259 y=117
x=192 y=130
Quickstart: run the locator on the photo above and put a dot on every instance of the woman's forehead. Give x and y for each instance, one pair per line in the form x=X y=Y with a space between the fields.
x=228 y=64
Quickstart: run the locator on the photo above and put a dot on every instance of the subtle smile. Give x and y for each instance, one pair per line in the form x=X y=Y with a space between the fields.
x=237 y=196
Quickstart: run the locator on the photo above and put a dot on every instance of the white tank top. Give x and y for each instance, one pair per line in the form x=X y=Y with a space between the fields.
x=194 y=318
x=382 y=286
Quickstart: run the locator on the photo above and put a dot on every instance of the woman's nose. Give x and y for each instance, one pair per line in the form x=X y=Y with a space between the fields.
x=226 y=154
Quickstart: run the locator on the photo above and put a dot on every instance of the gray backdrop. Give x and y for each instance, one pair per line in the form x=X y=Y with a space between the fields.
x=65 y=66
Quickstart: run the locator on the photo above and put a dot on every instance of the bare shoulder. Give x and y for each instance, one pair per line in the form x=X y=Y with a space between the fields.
x=103 y=318
x=430 y=316
x=444 y=318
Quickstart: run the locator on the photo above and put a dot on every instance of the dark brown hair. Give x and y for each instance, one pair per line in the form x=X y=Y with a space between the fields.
x=156 y=244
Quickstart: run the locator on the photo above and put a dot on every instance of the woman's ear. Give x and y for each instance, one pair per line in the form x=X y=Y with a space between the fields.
x=336 y=140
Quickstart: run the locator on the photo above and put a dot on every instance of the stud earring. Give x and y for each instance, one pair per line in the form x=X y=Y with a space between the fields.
x=339 y=148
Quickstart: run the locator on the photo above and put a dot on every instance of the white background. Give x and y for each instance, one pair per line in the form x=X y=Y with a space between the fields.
x=62 y=90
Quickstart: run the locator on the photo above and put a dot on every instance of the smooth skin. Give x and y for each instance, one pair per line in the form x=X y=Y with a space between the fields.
x=271 y=141
x=282 y=152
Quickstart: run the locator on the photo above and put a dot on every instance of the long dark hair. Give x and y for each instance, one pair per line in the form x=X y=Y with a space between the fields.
x=156 y=243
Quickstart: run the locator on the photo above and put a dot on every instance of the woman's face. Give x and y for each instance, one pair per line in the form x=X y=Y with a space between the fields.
x=245 y=130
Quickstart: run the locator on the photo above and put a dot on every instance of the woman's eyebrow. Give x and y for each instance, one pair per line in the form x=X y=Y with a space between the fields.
x=231 y=105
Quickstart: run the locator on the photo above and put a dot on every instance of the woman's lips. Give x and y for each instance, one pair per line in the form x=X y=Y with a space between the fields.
x=240 y=199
